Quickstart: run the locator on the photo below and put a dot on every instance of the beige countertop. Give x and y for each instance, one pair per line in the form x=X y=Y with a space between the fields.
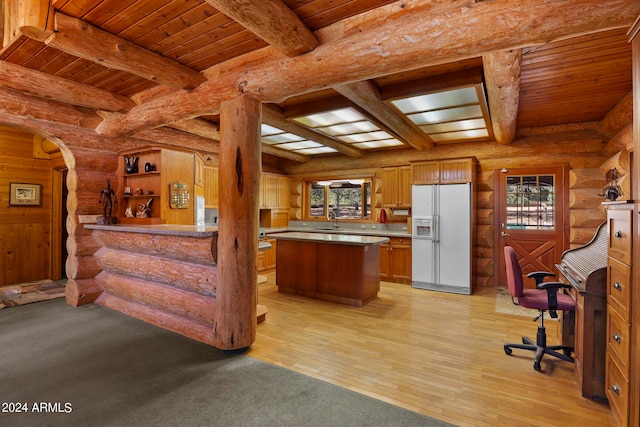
x=344 y=239
x=165 y=229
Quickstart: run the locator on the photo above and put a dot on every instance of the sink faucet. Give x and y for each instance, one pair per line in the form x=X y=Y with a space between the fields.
x=335 y=218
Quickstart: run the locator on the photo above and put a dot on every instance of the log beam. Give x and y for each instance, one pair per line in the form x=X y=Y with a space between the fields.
x=272 y=21
x=83 y=40
x=367 y=96
x=403 y=42
x=502 y=77
x=240 y=170
x=47 y=86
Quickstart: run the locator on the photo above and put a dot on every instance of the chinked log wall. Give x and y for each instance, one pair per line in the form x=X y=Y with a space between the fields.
x=168 y=281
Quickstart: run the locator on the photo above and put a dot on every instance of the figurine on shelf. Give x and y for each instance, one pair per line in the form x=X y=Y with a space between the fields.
x=612 y=190
x=144 y=211
x=129 y=212
x=106 y=198
x=131 y=165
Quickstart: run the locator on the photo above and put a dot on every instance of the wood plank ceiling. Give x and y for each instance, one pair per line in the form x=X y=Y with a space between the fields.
x=179 y=44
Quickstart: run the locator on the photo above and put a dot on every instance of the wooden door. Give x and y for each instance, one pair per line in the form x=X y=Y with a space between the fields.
x=532 y=216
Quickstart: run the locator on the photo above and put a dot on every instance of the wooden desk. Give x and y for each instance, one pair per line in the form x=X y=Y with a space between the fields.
x=585 y=330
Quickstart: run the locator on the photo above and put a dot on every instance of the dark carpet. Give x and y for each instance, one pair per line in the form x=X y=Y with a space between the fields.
x=91 y=366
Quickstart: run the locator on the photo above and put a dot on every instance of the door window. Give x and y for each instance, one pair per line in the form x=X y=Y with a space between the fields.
x=530 y=202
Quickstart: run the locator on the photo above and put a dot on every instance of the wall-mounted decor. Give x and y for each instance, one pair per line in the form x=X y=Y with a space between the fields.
x=24 y=194
x=179 y=195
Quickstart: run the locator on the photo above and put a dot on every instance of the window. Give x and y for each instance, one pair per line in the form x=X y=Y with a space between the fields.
x=530 y=202
x=346 y=198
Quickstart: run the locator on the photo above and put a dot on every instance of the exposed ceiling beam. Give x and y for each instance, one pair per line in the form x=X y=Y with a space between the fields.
x=502 y=77
x=286 y=154
x=83 y=40
x=272 y=116
x=272 y=21
x=417 y=36
x=367 y=96
x=56 y=88
x=199 y=127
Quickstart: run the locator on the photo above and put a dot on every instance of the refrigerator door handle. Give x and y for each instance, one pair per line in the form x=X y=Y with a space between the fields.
x=436 y=228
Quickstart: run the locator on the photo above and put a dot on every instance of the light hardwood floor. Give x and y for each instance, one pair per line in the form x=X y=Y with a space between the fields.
x=435 y=353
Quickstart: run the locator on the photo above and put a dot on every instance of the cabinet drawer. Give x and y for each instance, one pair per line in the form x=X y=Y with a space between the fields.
x=620 y=235
x=618 y=339
x=400 y=241
x=619 y=287
x=617 y=392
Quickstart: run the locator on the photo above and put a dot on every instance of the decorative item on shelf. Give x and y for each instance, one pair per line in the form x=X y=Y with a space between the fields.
x=138 y=192
x=179 y=195
x=127 y=191
x=108 y=199
x=612 y=190
x=147 y=192
x=144 y=210
x=131 y=164
x=148 y=167
x=129 y=212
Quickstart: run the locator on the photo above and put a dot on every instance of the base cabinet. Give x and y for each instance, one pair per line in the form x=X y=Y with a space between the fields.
x=395 y=260
x=267 y=257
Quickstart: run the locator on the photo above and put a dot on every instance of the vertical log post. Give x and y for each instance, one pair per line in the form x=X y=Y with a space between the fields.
x=240 y=167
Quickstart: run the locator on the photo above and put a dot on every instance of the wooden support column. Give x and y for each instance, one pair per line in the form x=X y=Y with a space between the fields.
x=240 y=168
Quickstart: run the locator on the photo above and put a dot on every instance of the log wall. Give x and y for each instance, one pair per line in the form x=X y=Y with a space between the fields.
x=172 y=286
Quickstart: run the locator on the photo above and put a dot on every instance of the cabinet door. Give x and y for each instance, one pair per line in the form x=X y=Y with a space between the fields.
x=270 y=255
x=211 y=198
x=390 y=182
x=284 y=192
x=456 y=171
x=400 y=261
x=426 y=172
x=268 y=191
x=404 y=186
x=384 y=261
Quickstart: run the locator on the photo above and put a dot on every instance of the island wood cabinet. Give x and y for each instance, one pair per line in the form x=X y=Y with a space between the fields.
x=396 y=187
x=449 y=171
x=153 y=187
x=395 y=260
x=620 y=349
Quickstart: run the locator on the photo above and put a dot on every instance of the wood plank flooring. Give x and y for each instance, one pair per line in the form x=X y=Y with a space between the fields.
x=435 y=353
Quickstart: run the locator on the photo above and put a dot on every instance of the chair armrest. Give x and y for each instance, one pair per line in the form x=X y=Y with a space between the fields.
x=539 y=276
x=552 y=295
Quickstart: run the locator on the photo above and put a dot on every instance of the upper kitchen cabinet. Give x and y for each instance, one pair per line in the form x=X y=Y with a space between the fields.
x=396 y=187
x=275 y=192
x=156 y=186
x=211 y=198
x=450 y=171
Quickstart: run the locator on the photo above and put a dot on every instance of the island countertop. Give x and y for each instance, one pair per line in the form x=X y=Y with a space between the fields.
x=344 y=239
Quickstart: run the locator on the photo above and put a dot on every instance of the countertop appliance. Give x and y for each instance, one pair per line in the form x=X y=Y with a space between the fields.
x=441 y=237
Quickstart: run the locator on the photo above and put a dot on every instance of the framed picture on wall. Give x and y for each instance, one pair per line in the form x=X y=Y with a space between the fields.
x=24 y=194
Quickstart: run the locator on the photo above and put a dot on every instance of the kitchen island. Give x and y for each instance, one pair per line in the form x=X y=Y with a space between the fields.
x=332 y=267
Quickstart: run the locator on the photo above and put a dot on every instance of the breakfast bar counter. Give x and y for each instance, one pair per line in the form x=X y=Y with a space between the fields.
x=331 y=267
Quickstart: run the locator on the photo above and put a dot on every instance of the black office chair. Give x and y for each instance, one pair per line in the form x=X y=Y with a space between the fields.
x=544 y=298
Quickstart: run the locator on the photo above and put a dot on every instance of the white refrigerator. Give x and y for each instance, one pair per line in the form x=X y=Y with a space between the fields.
x=441 y=237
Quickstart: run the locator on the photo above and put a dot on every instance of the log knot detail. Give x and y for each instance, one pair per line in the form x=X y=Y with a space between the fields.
x=239 y=173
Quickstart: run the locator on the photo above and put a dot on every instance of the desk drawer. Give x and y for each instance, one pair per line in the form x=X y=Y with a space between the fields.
x=617 y=392
x=620 y=235
x=619 y=286
x=618 y=339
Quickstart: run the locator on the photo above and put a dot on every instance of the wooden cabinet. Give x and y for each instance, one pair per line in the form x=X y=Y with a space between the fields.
x=620 y=349
x=211 y=198
x=395 y=260
x=449 y=171
x=267 y=257
x=153 y=187
x=396 y=190
x=275 y=191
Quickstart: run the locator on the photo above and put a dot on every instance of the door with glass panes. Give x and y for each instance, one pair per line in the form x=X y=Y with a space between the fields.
x=532 y=217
